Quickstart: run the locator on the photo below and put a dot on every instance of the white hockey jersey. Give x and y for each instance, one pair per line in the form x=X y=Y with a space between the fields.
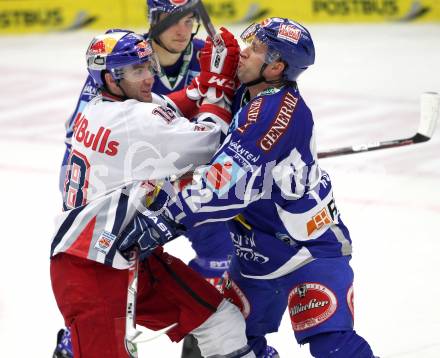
x=116 y=147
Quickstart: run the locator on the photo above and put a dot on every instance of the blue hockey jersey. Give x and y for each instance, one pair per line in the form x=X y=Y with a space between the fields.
x=267 y=179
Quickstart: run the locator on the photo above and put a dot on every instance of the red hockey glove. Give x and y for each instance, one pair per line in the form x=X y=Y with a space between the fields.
x=217 y=70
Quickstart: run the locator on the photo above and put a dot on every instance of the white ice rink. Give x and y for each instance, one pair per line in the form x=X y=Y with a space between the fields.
x=364 y=87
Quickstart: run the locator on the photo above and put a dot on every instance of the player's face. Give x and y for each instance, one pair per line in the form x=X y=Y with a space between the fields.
x=177 y=37
x=138 y=81
x=251 y=60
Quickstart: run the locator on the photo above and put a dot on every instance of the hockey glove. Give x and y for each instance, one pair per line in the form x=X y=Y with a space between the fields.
x=147 y=232
x=217 y=70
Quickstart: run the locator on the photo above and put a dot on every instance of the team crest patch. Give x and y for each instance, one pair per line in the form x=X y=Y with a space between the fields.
x=105 y=242
x=223 y=174
x=310 y=304
x=289 y=33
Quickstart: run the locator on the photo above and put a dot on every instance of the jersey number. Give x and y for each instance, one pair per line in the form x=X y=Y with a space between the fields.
x=77 y=181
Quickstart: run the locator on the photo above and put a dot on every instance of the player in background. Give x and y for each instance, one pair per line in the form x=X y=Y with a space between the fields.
x=177 y=50
x=292 y=249
x=120 y=140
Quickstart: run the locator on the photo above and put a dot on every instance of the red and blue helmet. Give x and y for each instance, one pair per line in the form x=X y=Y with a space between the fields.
x=115 y=50
x=287 y=41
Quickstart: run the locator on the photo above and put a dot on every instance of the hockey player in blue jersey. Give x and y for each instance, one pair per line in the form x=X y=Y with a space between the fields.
x=177 y=51
x=292 y=249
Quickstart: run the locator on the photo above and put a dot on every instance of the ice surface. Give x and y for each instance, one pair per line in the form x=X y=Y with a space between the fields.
x=364 y=87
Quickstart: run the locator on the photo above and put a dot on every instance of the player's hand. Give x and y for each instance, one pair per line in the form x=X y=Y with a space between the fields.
x=217 y=78
x=147 y=231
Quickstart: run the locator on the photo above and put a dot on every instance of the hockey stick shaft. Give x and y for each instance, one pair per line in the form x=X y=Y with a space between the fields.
x=130 y=319
x=209 y=27
x=134 y=334
x=429 y=114
x=371 y=146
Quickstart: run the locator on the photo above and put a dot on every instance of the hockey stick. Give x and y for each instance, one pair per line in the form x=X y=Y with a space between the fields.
x=130 y=315
x=209 y=27
x=136 y=334
x=429 y=113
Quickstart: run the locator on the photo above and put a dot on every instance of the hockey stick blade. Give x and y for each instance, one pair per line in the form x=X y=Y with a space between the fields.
x=429 y=113
x=143 y=334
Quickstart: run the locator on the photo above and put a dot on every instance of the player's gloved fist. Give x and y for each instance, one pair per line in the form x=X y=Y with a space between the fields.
x=147 y=231
x=217 y=69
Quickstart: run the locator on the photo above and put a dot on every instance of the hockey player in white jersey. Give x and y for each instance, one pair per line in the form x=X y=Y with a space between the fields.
x=121 y=141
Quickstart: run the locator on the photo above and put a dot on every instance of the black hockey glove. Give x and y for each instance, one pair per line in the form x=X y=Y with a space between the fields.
x=147 y=231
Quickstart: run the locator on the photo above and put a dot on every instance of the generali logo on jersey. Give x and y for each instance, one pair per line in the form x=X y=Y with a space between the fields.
x=98 y=141
x=310 y=304
x=279 y=125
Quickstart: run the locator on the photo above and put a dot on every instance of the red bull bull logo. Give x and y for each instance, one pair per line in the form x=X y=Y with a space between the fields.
x=143 y=49
x=104 y=243
x=104 y=46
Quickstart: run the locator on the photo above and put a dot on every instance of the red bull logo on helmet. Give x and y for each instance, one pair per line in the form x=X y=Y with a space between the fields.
x=143 y=49
x=103 y=46
x=289 y=32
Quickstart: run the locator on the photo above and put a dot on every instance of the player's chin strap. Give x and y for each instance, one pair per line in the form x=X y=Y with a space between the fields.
x=280 y=82
x=107 y=95
x=113 y=96
x=125 y=97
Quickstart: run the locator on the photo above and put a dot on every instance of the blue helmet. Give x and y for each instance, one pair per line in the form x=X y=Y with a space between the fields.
x=156 y=7
x=287 y=41
x=115 y=50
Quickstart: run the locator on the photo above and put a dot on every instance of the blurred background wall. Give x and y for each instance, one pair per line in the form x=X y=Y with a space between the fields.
x=31 y=16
